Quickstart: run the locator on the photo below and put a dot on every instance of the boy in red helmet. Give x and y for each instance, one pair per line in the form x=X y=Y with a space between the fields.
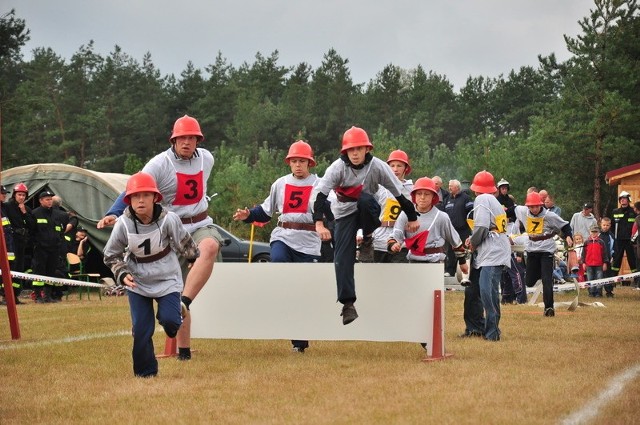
x=182 y=173
x=354 y=177
x=492 y=254
x=398 y=160
x=294 y=239
x=541 y=226
x=140 y=255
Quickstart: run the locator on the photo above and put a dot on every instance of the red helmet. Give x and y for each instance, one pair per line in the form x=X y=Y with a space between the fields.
x=141 y=182
x=401 y=156
x=20 y=187
x=301 y=149
x=483 y=182
x=186 y=126
x=533 y=199
x=353 y=138
x=425 y=183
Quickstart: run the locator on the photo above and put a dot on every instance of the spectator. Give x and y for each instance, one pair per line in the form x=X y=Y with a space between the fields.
x=141 y=253
x=595 y=256
x=443 y=195
x=541 y=226
x=607 y=237
x=543 y=195
x=623 y=219
x=507 y=200
x=7 y=231
x=22 y=222
x=550 y=204
x=354 y=177
x=458 y=206
x=181 y=173
x=48 y=242
x=582 y=221
x=294 y=239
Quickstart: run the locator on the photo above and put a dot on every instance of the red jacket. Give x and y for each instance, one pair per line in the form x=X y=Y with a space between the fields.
x=595 y=252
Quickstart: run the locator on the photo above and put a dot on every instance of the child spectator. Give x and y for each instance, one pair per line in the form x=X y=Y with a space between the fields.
x=355 y=176
x=575 y=266
x=607 y=237
x=595 y=255
x=140 y=255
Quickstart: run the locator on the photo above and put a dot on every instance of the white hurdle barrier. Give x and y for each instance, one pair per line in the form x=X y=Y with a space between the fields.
x=298 y=301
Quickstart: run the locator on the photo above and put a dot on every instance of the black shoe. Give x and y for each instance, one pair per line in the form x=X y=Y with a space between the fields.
x=472 y=334
x=549 y=312
x=298 y=350
x=349 y=313
x=609 y=294
x=183 y=357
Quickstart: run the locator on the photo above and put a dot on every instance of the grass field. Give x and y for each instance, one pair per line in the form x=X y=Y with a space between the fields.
x=73 y=365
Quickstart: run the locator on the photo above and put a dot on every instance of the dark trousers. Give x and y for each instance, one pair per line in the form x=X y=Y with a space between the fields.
x=451 y=262
x=619 y=249
x=282 y=253
x=473 y=310
x=513 y=286
x=365 y=218
x=143 y=326
x=540 y=266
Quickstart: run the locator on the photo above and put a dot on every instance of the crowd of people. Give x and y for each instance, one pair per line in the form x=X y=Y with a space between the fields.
x=363 y=209
x=38 y=240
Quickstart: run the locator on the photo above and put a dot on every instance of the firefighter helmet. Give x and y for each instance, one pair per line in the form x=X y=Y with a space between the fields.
x=355 y=137
x=625 y=194
x=533 y=199
x=503 y=182
x=186 y=126
x=20 y=187
x=141 y=182
x=483 y=182
x=399 y=155
x=301 y=149
x=425 y=183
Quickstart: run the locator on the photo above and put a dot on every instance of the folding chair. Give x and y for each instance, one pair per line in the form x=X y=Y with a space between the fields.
x=75 y=269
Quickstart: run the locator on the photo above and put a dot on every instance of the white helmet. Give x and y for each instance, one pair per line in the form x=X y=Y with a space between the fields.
x=625 y=194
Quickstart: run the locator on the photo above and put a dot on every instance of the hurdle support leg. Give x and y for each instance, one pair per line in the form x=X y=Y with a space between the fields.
x=170 y=348
x=437 y=352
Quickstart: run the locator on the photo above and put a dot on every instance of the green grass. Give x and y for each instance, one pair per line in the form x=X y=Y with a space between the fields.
x=543 y=370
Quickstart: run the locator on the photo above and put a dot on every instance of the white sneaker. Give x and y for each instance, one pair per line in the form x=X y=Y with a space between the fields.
x=447 y=274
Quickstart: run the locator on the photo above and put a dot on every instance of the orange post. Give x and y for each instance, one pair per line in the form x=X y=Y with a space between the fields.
x=170 y=348
x=437 y=353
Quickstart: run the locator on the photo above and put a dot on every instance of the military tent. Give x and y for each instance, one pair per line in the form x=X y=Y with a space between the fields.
x=87 y=193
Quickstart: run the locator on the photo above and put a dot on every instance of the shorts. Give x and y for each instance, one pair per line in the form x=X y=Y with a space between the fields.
x=206 y=232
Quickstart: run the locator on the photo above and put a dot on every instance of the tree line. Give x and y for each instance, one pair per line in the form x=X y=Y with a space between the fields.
x=559 y=126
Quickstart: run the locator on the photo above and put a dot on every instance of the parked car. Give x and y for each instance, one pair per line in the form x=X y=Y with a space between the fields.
x=236 y=250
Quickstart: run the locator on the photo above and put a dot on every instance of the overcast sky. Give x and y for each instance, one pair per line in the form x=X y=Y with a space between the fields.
x=455 y=38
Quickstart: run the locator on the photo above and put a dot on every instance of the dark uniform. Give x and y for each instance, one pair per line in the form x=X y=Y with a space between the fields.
x=48 y=238
x=21 y=224
x=7 y=231
x=623 y=219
